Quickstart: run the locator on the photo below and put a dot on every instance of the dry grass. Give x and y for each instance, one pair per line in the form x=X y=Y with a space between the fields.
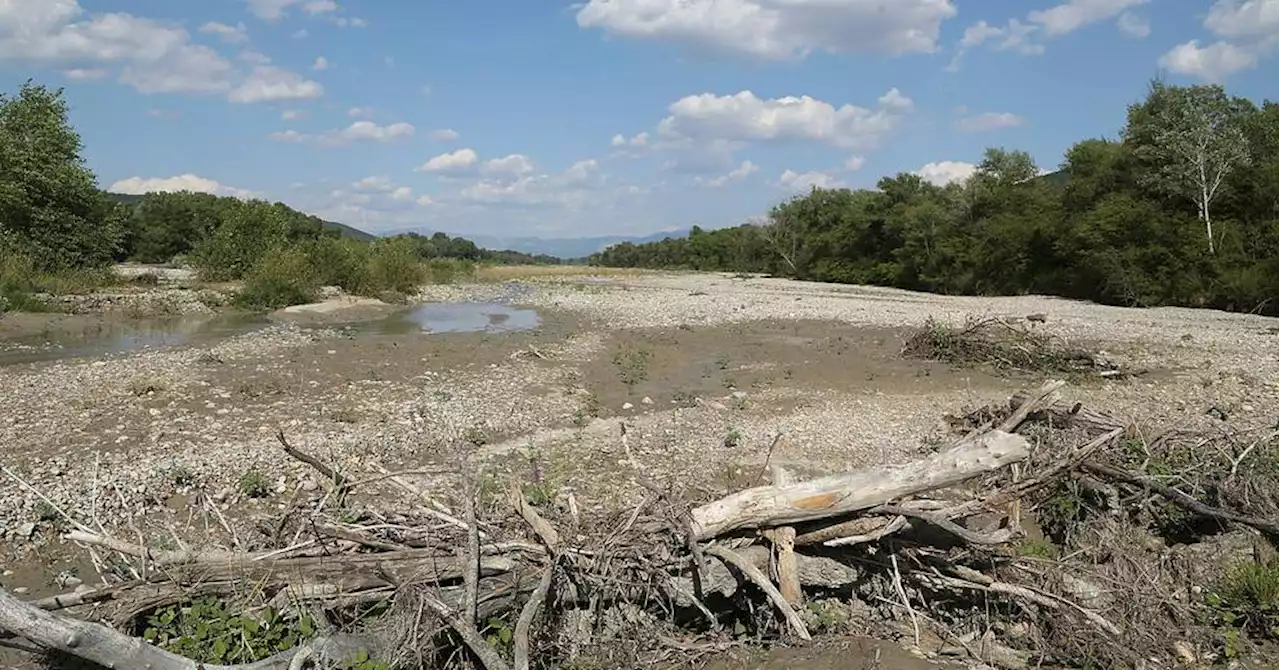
x=506 y=272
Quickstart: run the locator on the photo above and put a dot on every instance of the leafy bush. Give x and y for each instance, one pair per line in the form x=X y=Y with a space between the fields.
x=254 y=484
x=449 y=270
x=392 y=265
x=281 y=278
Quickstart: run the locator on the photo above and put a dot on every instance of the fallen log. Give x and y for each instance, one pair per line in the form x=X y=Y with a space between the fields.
x=849 y=492
x=111 y=648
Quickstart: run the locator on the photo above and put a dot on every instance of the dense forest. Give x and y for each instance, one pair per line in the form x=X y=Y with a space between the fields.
x=1181 y=209
x=59 y=231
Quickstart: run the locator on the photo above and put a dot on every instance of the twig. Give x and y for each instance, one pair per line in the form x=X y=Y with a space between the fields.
x=1047 y=600
x=1183 y=500
x=527 y=615
x=544 y=530
x=1235 y=463
x=906 y=602
x=894 y=525
x=339 y=482
x=235 y=540
x=471 y=568
x=949 y=526
x=777 y=437
x=487 y=655
x=752 y=573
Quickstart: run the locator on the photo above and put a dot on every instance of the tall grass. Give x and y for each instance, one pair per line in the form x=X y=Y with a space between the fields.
x=21 y=280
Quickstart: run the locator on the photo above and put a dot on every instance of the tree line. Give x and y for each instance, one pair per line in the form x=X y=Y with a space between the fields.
x=58 y=229
x=1181 y=209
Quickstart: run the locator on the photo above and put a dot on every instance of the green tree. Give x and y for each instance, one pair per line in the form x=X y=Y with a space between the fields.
x=50 y=206
x=1191 y=138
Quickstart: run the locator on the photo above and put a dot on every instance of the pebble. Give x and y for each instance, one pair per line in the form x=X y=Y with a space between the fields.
x=646 y=400
x=739 y=394
x=627 y=405
x=21 y=590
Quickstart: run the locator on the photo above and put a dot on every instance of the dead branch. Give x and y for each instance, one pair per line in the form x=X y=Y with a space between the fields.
x=755 y=576
x=527 y=615
x=843 y=494
x=1268 y=528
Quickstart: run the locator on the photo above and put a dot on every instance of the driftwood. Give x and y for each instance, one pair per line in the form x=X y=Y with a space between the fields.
x=781 y=539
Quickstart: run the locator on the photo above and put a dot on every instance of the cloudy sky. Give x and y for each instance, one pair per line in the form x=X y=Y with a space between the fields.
x=542 y=117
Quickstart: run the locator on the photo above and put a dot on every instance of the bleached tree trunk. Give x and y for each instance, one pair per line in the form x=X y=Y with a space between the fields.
x=844 y=493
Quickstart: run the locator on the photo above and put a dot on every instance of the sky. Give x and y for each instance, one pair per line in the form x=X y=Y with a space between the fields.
x=605 y=117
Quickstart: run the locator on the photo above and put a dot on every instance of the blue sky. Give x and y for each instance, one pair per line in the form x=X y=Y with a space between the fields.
x=534 y=117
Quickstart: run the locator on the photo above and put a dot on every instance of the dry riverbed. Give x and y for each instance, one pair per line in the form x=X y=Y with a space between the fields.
x=711 y=374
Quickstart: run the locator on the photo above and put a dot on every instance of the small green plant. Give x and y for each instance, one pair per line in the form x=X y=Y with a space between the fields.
x=1038 y=547
x=206 y=631
x=362 y=661
x=476 y=435
x=441 y=396
x=721 y=362
x=826 y=616
x=632 y=363
x=732 y=438
x=1246 y=598
x=181 y=475
x=48 y=515
x=498 y=633
x=254 y=484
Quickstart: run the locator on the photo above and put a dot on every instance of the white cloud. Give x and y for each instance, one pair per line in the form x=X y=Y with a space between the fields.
x=800 y=182
x=424 y=201
x=292 y=114
x=1233 y=19
x=183 y=182
x=320 y=7
x=320 y=63
x=581 y=170
x=744 y=117
x=85 y=73
x=776 y=29
x=299 y=34
x=360 y=111
x=942 y=173
x=155 y=57
x=268 y=83
x=988 y=121
x=1013 y=36
x=236 y=34
x=350 y=22
x=854 y=163
x=255 y=57
x=1075 y=14
x=978 y=33
x=370 y=131
x=744 y=170
x=514 y=164
x=163 y=114
x=402 y=193
x=1211 y=63
x=636 y=141
x=1133 y=25
x=373 y=183
x=444 y=134
x=454 y=161
x=360 y=131
x=270 y=10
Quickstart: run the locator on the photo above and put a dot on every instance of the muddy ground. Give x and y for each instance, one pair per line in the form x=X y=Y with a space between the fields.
x=711 y=375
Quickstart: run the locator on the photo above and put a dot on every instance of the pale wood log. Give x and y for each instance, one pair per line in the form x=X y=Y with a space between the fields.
x=784 y=544
x=718 y=580
x=849 y=492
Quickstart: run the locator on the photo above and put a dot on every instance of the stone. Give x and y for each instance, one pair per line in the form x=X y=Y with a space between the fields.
x=627 y=405
x=739 y=394
x=25 y=530
x=646 y=400
x=21 y=590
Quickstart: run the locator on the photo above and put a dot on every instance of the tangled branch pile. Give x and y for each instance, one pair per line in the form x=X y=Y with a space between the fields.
x=1150 y=552
x=1003 y=343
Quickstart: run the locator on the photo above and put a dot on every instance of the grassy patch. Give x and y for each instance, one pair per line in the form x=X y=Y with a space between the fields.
x=254 y=484
x=632 y=364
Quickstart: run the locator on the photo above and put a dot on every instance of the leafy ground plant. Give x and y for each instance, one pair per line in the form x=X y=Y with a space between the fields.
x=205 y=630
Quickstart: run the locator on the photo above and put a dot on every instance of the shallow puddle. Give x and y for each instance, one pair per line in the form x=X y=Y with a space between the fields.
x=122 y=336
x=460 y=317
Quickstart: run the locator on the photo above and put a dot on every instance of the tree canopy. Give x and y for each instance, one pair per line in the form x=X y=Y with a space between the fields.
x=1122 y=221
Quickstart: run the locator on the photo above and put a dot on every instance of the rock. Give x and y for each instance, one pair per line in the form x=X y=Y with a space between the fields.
x=25 y=530
x=739 y=394
x=646 y=400
x=627 y=405
x=1185 y=652
x=84 y=588
x=1089 y=594
x=308 y=484
x=72 y=582
x=21 y=590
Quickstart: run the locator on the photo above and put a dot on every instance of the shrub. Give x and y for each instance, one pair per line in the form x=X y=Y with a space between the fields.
x=341 y=262
x=392 y=265
x=283 y=277
x=448 y=270
x=254 y=484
